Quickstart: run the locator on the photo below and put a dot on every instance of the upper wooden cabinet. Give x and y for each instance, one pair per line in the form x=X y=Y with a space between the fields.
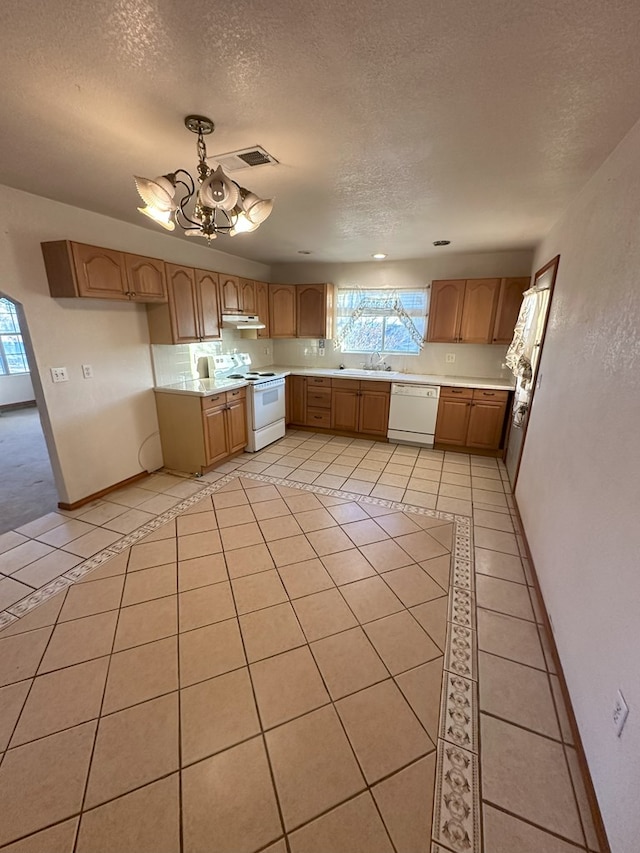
x=192 y=312
x=230 y=294
x=474 y=310
x=509 y=302
x=247 y=296
x=314 y=303
x=282 y=308
x=479 y=310
x=207 y=305
x=76 y=269
x=262 y=307
x=146 y=278
x=445 y=311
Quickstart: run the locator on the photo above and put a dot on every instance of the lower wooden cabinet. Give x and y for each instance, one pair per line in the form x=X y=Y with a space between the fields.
x=470 y=417
x=198 y=432
x=343 y=405
x=296 y=391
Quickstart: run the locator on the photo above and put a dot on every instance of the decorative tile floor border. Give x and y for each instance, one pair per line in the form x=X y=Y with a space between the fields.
x=456 y=808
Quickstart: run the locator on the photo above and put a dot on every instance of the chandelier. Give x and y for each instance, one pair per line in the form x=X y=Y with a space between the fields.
x=221 y=206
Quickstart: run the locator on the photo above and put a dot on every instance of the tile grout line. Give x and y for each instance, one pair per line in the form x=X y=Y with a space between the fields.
x=259 y=716
x=95 y=736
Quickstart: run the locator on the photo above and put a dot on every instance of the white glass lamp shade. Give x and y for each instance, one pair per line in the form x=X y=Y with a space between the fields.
x=257 y=209
x=162 y=217
x=218 y=191
x=156 y=194
x=242 y=225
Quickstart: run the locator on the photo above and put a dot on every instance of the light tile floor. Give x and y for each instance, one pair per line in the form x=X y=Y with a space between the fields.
x=263 y=672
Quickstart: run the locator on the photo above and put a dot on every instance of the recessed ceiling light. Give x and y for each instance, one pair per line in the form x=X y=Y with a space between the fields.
x=379 y=256
x=441 y=242
x=304 y=252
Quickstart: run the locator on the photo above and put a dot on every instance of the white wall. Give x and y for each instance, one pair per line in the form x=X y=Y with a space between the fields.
x=16 y=388
x=103 y=430
x=470 y=359
x=579 y=484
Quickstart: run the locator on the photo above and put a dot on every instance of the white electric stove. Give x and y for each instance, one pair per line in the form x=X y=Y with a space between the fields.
x=265 y=397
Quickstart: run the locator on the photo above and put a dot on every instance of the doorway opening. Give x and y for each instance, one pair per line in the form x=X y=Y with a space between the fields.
x=27 y=484
x=526 y=350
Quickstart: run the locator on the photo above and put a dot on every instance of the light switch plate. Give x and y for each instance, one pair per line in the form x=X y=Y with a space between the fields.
x=59 y=374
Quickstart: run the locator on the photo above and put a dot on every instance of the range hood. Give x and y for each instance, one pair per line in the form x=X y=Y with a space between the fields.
x=242 y=321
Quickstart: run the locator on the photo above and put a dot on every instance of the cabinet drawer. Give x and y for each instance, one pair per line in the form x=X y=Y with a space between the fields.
x=319 y=417
x=236 y=394
x=319 y=398
x=346 y=384
x=456 y=393
x=214 y=402
x=318 y=382
x=493 y=396
x=373 y=385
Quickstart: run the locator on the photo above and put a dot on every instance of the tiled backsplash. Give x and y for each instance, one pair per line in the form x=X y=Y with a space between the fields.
x=178 y=362
x=479 y=360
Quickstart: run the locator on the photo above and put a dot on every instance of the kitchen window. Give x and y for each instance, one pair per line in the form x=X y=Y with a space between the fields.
x=384 y=321
x=13 y=358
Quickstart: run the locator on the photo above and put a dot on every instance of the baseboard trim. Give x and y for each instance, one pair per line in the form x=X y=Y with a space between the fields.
x=25 y=404
x=93 y=497
x=577 y=740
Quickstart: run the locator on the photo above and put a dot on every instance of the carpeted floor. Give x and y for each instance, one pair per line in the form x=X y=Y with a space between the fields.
x=27 y=490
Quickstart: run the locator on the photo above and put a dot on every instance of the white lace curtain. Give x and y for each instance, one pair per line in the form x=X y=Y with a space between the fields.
x=387 y=303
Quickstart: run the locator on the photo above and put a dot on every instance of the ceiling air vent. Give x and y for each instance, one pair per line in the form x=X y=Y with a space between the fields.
x=247 y=157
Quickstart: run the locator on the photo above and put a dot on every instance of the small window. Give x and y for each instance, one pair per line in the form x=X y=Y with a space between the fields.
x=384 y=321
x=13 y=358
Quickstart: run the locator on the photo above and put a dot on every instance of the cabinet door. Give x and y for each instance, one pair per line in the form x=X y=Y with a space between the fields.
x=509 y=302
x=311 y=305
x=374 y=412
x=262 y=307
x=344 y=409
x=230 y=294
x=181 y=289
x=298 y=385
x=215 y=435
x=248 y=295
x=207 y=305
x=452 y=421
x=479 y=310
x=100 y=272
x=146 y=279
x=282 y=304
x=445 y=311
x=236 y=417
x=485 y=424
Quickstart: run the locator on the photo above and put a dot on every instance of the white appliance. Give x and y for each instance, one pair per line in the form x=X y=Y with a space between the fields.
x=265 y=397
x=412 y=413
x=265 y=413
x=242 y=321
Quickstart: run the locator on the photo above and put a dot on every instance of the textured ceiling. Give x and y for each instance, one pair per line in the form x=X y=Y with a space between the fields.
x=395 y=123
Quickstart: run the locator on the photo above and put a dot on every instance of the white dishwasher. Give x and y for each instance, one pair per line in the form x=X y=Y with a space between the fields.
x=413 y=413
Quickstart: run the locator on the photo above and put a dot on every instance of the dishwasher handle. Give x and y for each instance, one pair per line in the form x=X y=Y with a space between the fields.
x=402 y=390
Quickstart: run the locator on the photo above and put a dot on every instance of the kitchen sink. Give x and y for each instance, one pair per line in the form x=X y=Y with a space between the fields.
x=355 y=371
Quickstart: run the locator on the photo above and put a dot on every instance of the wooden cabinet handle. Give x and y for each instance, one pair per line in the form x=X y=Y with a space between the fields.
x=456 y=390
x=488 y=394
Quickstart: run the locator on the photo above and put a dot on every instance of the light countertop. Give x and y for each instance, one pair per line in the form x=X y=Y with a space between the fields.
x=209 y=387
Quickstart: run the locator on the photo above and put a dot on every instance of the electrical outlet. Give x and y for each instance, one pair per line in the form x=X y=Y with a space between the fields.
x=620 y=713
x=321 y=352
x=59 y=374
x=450 y=357
x=87 y=371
